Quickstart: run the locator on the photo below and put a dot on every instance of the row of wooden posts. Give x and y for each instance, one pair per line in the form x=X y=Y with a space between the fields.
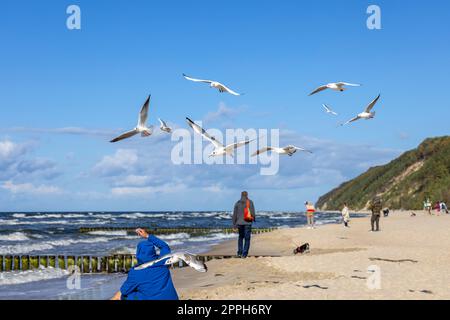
x=159 y=231
x=84 y=264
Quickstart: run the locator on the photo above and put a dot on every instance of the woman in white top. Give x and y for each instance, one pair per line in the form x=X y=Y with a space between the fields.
x=346 y=215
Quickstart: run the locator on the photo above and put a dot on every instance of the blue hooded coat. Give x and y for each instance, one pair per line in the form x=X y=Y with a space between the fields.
x=152 y=283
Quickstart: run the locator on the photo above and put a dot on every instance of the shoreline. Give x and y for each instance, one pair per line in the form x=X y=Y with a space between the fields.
x=410 y=254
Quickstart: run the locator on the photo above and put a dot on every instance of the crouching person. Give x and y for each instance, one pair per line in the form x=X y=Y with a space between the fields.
x=152 y=283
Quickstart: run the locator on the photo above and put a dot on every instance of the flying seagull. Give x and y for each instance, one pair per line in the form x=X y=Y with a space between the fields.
x=213 y=84
x=289 y=150
x=337 y=86
x=328 y=110
x=164 y=127
x=367 y=114
x=172 y=258
x=219 y=148
x=141 y=125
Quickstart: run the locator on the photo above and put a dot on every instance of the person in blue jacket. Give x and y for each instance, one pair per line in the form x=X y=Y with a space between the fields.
x=152 y=283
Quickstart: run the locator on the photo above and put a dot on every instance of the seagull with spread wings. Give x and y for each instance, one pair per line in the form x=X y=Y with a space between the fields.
x=289 y=150
x=189 y=259
x=213 y=84
x=328 y=110
x=337 y=86
x=366 y=114
x=164 y=127
x=219 y=148
x=141 y=125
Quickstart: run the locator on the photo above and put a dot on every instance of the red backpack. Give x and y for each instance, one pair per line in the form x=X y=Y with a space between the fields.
x=247 y=213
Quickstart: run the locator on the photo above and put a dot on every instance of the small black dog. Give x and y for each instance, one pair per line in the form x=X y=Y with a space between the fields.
x=302 y=249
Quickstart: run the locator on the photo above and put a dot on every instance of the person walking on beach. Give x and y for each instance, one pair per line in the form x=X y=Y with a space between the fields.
x=310 y=210
x=243 y=216
x=152 y=283
x=437 y=207
x=346 y=215
x=444 y=207
x=375 y=207
x=427 y=205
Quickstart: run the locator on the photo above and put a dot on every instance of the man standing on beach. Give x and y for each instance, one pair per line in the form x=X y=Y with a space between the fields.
x=243 y=216
x=376 y=207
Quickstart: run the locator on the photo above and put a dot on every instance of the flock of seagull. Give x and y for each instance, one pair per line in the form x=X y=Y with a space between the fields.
x=219 y=149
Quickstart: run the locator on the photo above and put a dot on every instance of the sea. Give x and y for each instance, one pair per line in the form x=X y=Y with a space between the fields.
x=57 y=233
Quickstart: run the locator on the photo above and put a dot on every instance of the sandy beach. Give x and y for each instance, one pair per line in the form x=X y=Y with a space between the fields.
x=411 y=256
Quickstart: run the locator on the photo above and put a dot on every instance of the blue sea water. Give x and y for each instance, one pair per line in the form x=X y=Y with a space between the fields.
x=36 y=233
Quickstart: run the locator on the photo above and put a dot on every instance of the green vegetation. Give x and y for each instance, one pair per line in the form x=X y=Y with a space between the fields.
x=404 y=183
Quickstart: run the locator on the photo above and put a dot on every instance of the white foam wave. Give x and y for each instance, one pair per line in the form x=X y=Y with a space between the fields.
x=174 y=242
x=214 y=237
x=47 y=245
x=14 y=222
x=48 y=215
x=174 y=236
x=16 y=236
x=109 y=233
x=18 y=277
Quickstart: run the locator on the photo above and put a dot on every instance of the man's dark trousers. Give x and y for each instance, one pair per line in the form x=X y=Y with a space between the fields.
x=245 y=233
x=375 y=220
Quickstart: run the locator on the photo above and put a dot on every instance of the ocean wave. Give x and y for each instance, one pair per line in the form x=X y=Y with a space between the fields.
x=174 y=236
x=108 y=233
x=214 y=237
x=48 y=215
x=47 y=245
x=16 y=236
x=137 y=215
x=327 y=221
x=284 y=217
x=18 y=277
x=14 y=222
x=175 y=242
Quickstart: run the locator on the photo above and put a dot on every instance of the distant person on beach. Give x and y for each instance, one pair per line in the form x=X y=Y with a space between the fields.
x=243 y=216
x=437 y=207
x=427 y=206
x=310 y=210
x=375 y=207
x=386 y=212
x=444 y=207
x=346 y=215
x=152 y=283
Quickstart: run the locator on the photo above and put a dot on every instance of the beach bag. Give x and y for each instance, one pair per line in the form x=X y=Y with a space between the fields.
x=247 y=213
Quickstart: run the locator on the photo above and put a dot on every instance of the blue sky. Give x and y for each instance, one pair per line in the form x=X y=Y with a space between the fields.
x=65 y=93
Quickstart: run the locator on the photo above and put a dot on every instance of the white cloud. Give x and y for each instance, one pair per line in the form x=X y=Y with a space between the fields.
x=16 y=163
x=151 y=190
x=222 y=114
x=10 y=151
x=133 y=181
x=29 y=188
x=121 y=162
